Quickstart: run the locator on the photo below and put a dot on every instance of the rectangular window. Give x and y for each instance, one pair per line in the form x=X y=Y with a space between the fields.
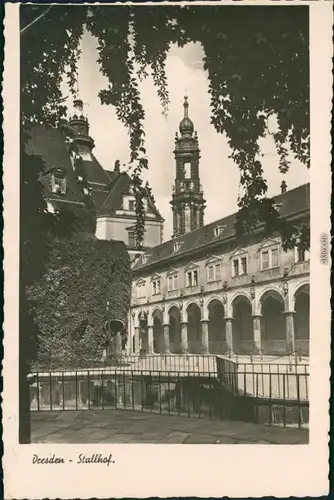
x=300 y=255
x=132 y=205
x=210 y=273
x=187 y=170
x=274 y=258
x=243 y=265
x=155 y=287
x=58 y=184
x=192 y=278
x=132 y=239
x=213 y=272
x=141 y=290
x=172 y=282
x=235 y=267
x=265 y=260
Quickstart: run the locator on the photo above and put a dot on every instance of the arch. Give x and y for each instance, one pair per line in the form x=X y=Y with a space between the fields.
x=158 y=340
x=157 y=312
x=242 y=324
x=273 y=324
x=272 y=291
x=194 y=329
x=302 y=318
x=174 y=319
x=190 y=303
x=212 y=299
x=173 y=305
x=216 y=327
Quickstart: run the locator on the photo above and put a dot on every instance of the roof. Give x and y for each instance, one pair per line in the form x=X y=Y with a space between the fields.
x=49 y=143
x=293 y=201
x=119 y=186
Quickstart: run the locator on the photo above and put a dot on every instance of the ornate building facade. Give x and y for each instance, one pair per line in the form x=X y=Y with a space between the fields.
x=202 y=293
x=73 y=177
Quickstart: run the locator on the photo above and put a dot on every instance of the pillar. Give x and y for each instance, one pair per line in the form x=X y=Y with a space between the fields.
x=290 y=331
x=184 y=338
x=150 y=339
x=257 y=334
x=137 y=339
x=228 y=332
x=205 y=336
x=166 y=338
x=118 y=344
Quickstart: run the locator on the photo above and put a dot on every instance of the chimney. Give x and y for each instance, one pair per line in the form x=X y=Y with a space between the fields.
x=116 y=168
x=283 y=187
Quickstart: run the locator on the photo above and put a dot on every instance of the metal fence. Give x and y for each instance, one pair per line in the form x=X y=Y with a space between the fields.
x=273 y=398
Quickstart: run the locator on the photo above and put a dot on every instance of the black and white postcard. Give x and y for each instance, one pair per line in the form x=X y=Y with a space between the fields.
x=167 y=245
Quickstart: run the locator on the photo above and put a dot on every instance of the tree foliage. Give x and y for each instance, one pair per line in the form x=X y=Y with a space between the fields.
x=256 y=59
x=69 y=301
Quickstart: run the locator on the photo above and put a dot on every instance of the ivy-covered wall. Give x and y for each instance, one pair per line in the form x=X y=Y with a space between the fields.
x=69 y=301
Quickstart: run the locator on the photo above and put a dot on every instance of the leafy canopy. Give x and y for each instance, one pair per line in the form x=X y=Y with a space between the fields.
x=257 y=64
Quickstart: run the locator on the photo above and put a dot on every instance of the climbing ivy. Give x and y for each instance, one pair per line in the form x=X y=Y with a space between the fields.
x=69 y=302
x=257 y=63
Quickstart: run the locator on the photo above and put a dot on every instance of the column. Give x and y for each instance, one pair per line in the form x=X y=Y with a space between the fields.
x=205 y=336
x=137 y=339
x=166 y=338
x=184 y=338
x=150 y=339
x=257 y=334
x=118 y=344
x=290 y=331
x=228 y=332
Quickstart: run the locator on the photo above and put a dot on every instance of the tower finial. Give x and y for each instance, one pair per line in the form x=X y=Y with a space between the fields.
x=186 y=106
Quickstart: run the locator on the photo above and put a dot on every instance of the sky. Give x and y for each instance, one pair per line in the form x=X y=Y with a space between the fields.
x=218 y=173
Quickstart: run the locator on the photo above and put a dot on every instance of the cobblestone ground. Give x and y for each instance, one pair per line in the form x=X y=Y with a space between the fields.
x=115 y=426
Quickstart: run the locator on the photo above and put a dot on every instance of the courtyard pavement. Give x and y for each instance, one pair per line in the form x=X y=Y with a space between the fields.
x=116 y=426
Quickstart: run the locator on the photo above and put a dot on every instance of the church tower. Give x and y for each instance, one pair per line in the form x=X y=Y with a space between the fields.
x=80 y=126
x=187 y=202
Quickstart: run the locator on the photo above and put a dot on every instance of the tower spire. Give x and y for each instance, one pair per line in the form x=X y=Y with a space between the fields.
x=185 y=106
x=187 y=201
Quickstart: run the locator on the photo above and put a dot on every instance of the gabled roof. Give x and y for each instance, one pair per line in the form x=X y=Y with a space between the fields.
x=292 y=202
x=269 y=242
x=119 y=186
x=238 y=251
x=212 y=260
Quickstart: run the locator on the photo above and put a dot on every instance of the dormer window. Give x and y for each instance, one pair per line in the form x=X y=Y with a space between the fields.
x=177 y=245
x=58 y=181
x=218 y=230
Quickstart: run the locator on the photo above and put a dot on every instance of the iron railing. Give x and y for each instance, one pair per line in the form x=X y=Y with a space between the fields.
x=263 y=397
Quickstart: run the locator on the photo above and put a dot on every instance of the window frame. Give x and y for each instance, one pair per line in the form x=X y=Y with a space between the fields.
x=141 y=290
x=269 y=250
x=216 y=276
x=238 y=259
x=156 y=286
x=296 y=255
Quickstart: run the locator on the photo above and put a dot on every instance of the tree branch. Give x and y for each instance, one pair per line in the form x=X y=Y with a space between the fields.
x=24 y=30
